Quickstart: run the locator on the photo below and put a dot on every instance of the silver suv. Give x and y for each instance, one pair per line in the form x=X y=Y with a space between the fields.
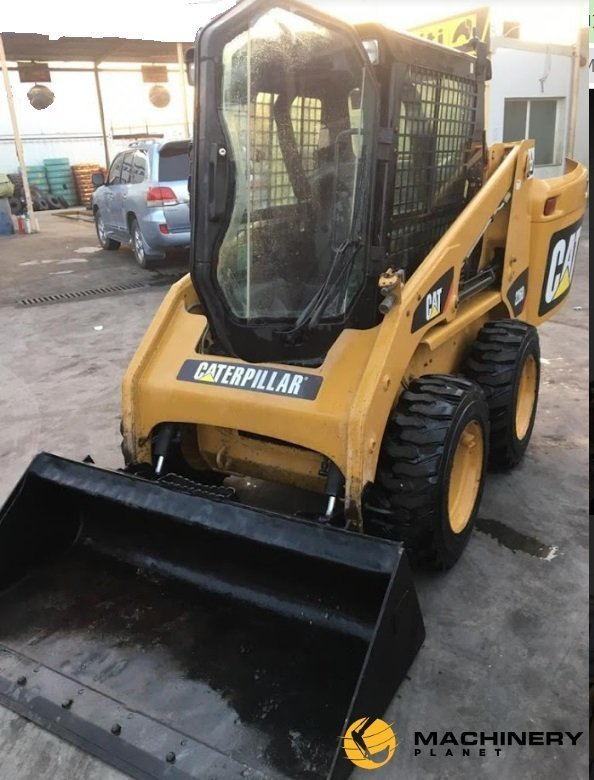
x=145 y=200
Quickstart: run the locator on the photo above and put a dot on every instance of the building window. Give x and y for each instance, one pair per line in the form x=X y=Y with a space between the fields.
x=535 y=119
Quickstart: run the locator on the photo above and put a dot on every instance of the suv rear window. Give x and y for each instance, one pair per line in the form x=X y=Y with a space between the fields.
x=174 y=162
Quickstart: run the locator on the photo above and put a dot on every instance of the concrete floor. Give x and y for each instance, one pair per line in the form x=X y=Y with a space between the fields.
x=506 y=629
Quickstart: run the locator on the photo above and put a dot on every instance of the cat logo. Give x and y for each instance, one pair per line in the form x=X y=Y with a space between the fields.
x=560 y=267
x=433 y=304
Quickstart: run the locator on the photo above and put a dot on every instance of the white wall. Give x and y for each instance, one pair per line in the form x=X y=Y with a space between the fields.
x=71 y=126
x=516 y=74
x=582 y=133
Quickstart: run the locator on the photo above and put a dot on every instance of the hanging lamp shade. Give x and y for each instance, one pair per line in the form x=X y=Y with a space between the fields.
x=40 y=96
x=159 y=96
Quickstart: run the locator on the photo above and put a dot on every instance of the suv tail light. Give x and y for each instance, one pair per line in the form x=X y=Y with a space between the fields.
x=161 y=196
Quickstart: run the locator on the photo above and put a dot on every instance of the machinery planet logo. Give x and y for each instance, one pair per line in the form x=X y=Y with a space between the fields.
x=243 y=376
x=480 y=743
x=560 y=267
x=369 y=743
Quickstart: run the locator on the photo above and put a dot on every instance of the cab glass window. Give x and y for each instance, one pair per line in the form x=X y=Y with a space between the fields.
x=298 y=111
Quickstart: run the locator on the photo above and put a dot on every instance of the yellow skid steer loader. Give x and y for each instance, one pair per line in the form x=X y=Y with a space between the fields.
x=359 y=321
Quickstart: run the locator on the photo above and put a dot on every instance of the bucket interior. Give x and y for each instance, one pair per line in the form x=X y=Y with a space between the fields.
x=237 y=638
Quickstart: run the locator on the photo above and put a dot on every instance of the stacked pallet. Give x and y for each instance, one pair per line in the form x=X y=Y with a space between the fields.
x=59 y=177
x=84 y=185
x=37 y=177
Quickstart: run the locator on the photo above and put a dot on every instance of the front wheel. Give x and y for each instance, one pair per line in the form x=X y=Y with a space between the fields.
x=431 y=469
x=106 y=243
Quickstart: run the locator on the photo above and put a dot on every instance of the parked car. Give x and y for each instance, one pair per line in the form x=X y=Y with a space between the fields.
x=144 y=201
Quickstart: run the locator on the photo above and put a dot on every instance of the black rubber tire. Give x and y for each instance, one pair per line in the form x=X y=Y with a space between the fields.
x=142 y=252
x=409 y=499
x=495 y=362
x=106 y=243
x=137 y=244
x=53 y=201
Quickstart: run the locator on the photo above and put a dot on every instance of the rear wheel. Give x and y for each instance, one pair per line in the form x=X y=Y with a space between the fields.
x=106 y=243
x=505 y=361
x=431 y=469
x=142 y=252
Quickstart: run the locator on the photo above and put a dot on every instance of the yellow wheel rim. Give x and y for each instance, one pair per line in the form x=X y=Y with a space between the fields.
x=465 y=476
x=526 y=396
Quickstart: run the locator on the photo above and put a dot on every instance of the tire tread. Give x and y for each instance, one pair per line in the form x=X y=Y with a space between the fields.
x=406 y=491
x=493 y=364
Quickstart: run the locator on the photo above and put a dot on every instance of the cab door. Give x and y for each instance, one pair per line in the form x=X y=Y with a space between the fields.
x=283 y=176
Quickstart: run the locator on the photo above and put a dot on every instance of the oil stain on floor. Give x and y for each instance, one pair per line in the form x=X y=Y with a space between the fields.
x=514 y=540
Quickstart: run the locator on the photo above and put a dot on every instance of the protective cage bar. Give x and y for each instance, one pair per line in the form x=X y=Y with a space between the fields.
x=436 y=125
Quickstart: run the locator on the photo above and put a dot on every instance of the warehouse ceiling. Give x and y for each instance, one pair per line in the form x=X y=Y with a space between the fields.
x=22 y=47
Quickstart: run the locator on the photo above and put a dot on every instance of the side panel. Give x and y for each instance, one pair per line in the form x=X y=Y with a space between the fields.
x=554 y=240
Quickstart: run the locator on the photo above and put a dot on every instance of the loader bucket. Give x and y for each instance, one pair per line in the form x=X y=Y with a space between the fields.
x=181 y=636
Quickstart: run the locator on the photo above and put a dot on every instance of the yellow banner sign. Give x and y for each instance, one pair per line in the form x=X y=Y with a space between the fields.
x=457 y=31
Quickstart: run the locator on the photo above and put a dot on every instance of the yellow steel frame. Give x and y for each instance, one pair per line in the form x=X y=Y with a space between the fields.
x=364 y=372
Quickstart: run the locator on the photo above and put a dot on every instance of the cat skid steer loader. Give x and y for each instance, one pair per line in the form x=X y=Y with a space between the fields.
x=359 y=322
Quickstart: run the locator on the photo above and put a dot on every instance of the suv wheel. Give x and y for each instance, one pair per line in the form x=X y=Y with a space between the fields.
x=145 y=257
x=106 y=243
